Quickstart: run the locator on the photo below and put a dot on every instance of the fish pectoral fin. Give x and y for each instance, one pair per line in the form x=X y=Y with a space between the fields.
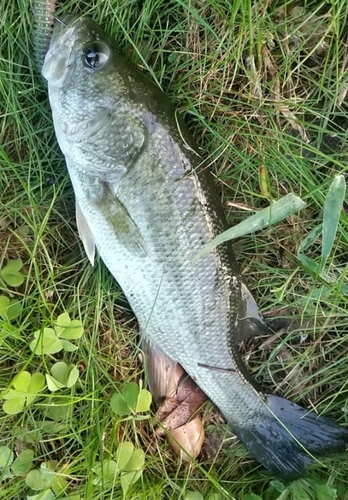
x=119 y=218
x=85 y=234
x=162 y=373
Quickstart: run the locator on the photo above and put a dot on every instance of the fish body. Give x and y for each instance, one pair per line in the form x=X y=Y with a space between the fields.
x=147 y=204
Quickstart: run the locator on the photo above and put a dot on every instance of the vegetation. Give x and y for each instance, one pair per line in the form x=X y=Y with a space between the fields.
x=263 y=87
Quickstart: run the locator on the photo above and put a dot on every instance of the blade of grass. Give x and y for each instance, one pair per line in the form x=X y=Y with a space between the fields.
x=276 y=212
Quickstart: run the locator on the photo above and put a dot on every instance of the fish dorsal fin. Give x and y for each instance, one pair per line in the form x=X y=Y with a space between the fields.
x=251 y=322
x=85 y=234
x=160 y=372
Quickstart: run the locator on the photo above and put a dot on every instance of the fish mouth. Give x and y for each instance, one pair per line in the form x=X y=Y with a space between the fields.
x=60 y=60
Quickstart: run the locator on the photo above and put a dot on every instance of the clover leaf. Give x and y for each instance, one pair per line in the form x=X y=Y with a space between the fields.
x=131 y=400
x=9 y=309
x=26 y=389
x=63 y=375
x=127 y=468
x=46 y=477
x=11 y=273
x=53 y=340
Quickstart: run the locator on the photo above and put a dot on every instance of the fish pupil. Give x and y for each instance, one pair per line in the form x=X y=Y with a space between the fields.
x=92 y=57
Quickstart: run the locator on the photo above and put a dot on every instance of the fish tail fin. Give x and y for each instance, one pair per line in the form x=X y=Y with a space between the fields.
x=287 y=438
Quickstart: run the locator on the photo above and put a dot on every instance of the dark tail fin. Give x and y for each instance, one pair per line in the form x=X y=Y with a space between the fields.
x=287 y=438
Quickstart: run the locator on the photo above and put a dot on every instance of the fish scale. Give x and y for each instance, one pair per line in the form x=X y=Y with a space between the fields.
x=146 y=202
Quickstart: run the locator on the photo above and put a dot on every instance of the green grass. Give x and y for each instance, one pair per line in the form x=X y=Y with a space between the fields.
x=255 y=81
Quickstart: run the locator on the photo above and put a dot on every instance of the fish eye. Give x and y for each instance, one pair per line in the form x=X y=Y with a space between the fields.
x=96 y=55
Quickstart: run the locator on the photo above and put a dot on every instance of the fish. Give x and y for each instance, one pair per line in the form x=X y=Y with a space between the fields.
x=185 y=430
x=146 y=203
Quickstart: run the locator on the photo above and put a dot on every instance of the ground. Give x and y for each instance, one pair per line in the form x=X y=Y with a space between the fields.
x=263 y=88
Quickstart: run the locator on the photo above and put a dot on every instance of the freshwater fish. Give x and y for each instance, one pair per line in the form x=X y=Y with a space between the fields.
x=146 y=202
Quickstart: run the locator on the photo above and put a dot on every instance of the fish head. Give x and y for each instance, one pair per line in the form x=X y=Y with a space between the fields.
x=88 y=82
x=78 y=50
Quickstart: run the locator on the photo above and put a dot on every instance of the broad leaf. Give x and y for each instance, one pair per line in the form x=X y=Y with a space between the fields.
x=67 y=328
x=23 y=462
x=6 y=457
x=63 y=375
x=119 y=405
x=193 y=495
x=9 y=309
x=43 y=495
x=124 y=453
x=130 y=392
x=144 y=401
x=14 y=406
x=46 y=342
x=68 y=346
x=11 y=273
x=132 y=470
x=106 y=472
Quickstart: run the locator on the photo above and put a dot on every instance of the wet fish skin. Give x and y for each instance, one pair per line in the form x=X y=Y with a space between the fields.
x=145 y=201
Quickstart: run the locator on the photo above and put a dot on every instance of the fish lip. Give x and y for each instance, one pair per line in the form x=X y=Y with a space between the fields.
x=60 y=60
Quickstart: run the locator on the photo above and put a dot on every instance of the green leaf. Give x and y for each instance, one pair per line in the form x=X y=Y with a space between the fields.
x=43 y=495
x=23 y=463
x=21 y=381
x=14 y=406
x=26 y=388
x=124 y=453
x=46 y=342
x=10 y=273
x=133 y=470
x=119 y=405
x=278 y=485
x=310 y=238
x=144 y=401
x=53 y=384
x=37 y=383
x=8 y=330
x=331 y=216
x=68 y=346
x=4 y=305
x=43 y=478
x=59 y=484
x=130 y=392
x=106 y=472
x=6 y=457
x=323 y=492
x=193 y=495
x=251 y=496
x=68 y=329
x=59 y=412
x=273 y=214
x=38 y=481
x=136 y=461
x=63 y=376
x=9 y=309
